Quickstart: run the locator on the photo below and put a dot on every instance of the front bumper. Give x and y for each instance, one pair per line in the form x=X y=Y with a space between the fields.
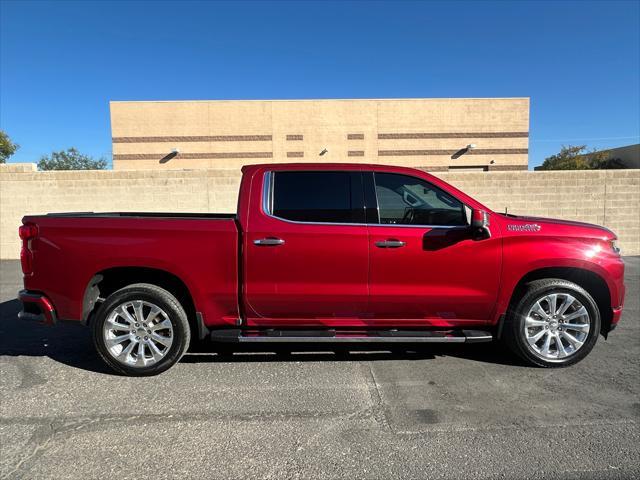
x=615 y=317
x=37 y=307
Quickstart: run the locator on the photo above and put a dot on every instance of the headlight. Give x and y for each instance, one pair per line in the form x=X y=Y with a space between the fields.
x=614 y=245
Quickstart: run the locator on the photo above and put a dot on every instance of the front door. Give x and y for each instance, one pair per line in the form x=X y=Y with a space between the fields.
x=306 y=252
x=426 y=269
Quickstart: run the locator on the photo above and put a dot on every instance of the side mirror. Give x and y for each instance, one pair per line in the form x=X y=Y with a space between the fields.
x=480 y=224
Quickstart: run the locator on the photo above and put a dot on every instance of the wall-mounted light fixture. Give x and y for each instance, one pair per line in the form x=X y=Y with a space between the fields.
x=471 y=146
x=323 y=152
x=173 y=154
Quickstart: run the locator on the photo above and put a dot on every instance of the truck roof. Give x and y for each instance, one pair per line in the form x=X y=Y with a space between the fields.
x=250 y=170
x=325 y=166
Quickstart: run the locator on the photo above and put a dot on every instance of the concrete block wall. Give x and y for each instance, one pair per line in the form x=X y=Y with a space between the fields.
x=610 y=198
x=31 y=192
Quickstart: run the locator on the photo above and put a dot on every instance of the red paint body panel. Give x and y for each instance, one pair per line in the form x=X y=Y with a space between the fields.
x=323 y=274
x=440 y=274
x=318 y=277
x=286 y=282
x=558 y=244
x=203 y=253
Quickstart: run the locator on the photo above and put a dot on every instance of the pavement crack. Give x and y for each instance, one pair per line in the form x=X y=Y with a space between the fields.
x=50 y=429
x=41 y=439
x=375 y=411
x=378 y=408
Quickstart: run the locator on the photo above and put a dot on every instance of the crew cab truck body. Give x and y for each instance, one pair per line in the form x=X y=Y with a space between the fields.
x=324 y=253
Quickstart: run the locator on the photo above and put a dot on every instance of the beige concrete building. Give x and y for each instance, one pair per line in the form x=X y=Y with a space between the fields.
x=438 y=134
x=628 y=156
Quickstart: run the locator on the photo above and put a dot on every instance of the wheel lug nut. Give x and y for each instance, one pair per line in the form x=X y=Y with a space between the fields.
x=148 y=331
x=146 y=338
x=137 y=338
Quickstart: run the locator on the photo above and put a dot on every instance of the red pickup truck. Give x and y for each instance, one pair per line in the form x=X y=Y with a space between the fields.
x=324 y=253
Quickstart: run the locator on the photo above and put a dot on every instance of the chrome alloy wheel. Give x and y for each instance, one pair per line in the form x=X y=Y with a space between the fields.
x=138 y=333
x=556 y=326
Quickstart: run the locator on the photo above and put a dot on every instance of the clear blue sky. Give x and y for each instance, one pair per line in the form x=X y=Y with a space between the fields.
x=61 y=62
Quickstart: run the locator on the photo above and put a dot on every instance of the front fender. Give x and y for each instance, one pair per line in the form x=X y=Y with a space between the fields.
x=524 y=256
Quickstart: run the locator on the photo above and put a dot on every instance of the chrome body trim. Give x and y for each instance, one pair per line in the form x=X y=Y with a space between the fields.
x=269 y=242
x=267 y=207
x=390 y=244
x=347 y=339
x=239 y=338
x=525 y=227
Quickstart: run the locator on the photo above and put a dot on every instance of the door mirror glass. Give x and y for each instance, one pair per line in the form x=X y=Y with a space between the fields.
x=480 y=224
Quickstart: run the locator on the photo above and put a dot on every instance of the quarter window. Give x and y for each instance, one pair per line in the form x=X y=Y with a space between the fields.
x=322 y=197
x=406 y=200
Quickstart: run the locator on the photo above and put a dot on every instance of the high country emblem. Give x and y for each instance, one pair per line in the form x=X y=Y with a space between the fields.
x=525 y=227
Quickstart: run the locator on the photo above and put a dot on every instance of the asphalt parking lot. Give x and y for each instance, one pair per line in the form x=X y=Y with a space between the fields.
x=430 y=412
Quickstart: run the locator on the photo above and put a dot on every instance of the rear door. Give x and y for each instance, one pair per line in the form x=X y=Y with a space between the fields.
x=425 y=267
x=306 y=250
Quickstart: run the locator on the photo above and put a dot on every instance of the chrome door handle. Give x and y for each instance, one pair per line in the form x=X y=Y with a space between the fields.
x=269 y=242
x=390 y=244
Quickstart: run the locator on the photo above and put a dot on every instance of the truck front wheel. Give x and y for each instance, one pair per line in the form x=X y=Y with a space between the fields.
x=141 y=330
x=555 y=323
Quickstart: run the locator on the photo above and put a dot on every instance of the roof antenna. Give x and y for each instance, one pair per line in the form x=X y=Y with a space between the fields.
x=506 y=210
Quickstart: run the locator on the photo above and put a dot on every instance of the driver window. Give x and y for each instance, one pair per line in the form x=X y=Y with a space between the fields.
x=405 y=200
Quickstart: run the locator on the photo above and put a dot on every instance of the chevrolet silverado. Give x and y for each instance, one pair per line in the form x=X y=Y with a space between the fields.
x=324 y=253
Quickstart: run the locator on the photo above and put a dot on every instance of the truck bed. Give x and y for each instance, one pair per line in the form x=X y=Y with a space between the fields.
x=198 y=249
x=210 y=216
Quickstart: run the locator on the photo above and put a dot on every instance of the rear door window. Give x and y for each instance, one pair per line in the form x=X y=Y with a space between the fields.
x=318 y=197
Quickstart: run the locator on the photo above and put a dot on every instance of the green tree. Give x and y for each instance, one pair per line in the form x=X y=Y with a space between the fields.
x=7 y=147
x=577 y=158
x=70 y=159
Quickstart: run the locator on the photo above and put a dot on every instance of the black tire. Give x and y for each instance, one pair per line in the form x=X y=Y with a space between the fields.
x=513 y=334
x=157 y=296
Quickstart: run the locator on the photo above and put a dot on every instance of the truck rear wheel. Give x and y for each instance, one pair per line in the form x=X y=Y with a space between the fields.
x=555 y=323
x=141 y=330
